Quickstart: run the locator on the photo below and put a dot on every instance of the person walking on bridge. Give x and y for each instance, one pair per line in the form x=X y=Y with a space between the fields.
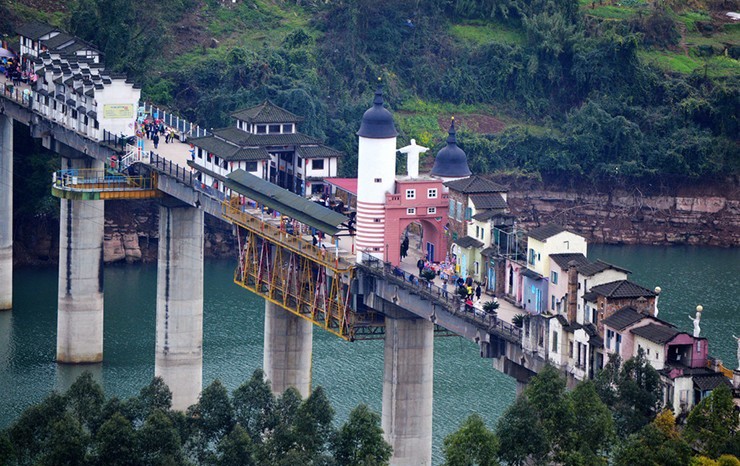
x=420 y=266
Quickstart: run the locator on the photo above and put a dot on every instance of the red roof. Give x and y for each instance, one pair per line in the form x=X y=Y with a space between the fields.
x=345 y=184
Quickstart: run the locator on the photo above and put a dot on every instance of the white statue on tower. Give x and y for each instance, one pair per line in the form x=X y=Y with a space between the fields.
x=412 y=152
x=738 y=351
x=696 y=320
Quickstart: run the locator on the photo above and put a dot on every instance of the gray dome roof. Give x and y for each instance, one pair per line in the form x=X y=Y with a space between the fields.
x=451 y=161
x=377 y=122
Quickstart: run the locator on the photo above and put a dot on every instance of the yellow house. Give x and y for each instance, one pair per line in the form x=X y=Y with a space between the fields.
x=551 y=239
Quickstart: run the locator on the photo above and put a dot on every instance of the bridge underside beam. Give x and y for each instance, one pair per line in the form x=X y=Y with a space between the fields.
x=6 y=212
x=408 y=389
x=179 y=341
x=287 y=350
x=80 y=294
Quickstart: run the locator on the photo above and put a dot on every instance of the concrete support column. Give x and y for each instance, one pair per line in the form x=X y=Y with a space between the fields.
x=179 y=347
x=6 y=212
x=408 y=390
x=287 y=350
x=80 y=294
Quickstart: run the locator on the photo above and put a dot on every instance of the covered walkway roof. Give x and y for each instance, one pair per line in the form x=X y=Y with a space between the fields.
x=285 y=202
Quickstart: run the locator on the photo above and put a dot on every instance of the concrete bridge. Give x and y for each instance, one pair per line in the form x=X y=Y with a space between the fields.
x=303 y=285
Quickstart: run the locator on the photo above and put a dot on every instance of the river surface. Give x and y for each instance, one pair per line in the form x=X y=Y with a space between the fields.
x=351 y=373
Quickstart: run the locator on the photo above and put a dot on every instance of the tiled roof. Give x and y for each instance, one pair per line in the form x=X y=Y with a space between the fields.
x=590 y=297
x=622 y=289
x=266 y=112
x=656 y=333
x=215 y=145
x=594 y=339
x=317 y=152
x=475 y=185
x=489 y=251
x=623 y=318
x=565 y=258
x=546 y=231
x=710 y=382
x=248 y=154
x=59 y=39
x=531 y=274
x=242 y=138
x=489 y=201
x=592 y=268
x=33 y=30
x=468 y=242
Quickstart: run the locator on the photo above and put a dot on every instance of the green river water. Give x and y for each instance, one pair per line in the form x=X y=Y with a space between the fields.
x=350 y=372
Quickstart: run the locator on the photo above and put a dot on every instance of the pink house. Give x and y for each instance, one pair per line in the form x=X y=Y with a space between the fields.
x=421 y=201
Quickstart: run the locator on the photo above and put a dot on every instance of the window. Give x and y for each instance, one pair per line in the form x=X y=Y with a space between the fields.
x=594 y=316
x=570 y=349
x=552 y=304
x=74 y=114
x=299 y=162
x=216 y=160
x=451 y=214
x=469 y=213
x=411 y=211
x=226 y=165
x=200 y=153
x=376 y=220
x=554 y=277
x=432 y=193
x=554 y=342
x=410 y=194
x=378 y=180
x=288 y=128
x=431 y=210
x=477 y=267
x=618 y=344
x=477 y=231
x=531 y=256
x=459 y=212
x=317 y=164
x=250 y=166
x=609 y=336
x=274 y=129
x=261 y=129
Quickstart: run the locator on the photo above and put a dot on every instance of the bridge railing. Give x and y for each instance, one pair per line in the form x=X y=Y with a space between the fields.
x=185 y=128
x=449 y=297
x=83 y=179
x=181 y=174
x=18 y=94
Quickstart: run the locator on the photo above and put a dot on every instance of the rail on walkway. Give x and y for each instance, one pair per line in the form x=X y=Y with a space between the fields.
x=18 y=94
x=94 y=184
x=448 y=299
x=182 y=126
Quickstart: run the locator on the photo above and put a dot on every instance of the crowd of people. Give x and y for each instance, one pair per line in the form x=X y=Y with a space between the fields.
x=153 y=128
x=11 y=68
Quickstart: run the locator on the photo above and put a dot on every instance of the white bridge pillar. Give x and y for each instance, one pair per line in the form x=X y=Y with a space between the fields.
x=179 y=345
x=408 y=389
x=287 y=350
x=80 y=294
x=6 y=212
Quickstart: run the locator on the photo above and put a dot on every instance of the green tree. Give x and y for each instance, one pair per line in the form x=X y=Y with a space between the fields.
x=522 y=433
x=30 y=432
x=116 y=442
x=85 y=399
x=254 y=406
x=359 y=442
x=712 y=423
x=67 y=443
x=236 y=448
x=593 y=429
x=159 y=442
x=639 y=394
x=473 y=444
x=658 y=443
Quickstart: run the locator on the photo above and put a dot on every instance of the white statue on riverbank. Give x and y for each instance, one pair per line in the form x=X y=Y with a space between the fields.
x=738 y=351
x=696 y=320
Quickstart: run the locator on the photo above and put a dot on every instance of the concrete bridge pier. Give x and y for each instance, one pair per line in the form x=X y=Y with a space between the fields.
x=407 y=389
x=287 y=350
x=179 y=341
x=80 y=294
x=6 y=212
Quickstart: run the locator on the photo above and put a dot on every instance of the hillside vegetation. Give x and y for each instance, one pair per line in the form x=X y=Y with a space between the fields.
x=597 y=93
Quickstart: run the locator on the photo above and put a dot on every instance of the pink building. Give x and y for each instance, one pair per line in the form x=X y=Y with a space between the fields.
x=420 y=201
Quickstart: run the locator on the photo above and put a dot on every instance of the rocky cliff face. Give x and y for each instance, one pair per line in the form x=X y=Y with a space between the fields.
x=131 y=235
x=624 y=217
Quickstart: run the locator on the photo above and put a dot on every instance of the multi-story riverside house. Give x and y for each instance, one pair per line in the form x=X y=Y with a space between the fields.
x=265 y=142
x=70 y=85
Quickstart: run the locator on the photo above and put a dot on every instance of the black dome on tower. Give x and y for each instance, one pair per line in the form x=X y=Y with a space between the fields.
x=377 y=122
x=451 y=161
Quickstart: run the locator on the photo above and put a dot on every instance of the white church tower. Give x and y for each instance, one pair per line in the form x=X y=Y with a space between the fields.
x=376 y=176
